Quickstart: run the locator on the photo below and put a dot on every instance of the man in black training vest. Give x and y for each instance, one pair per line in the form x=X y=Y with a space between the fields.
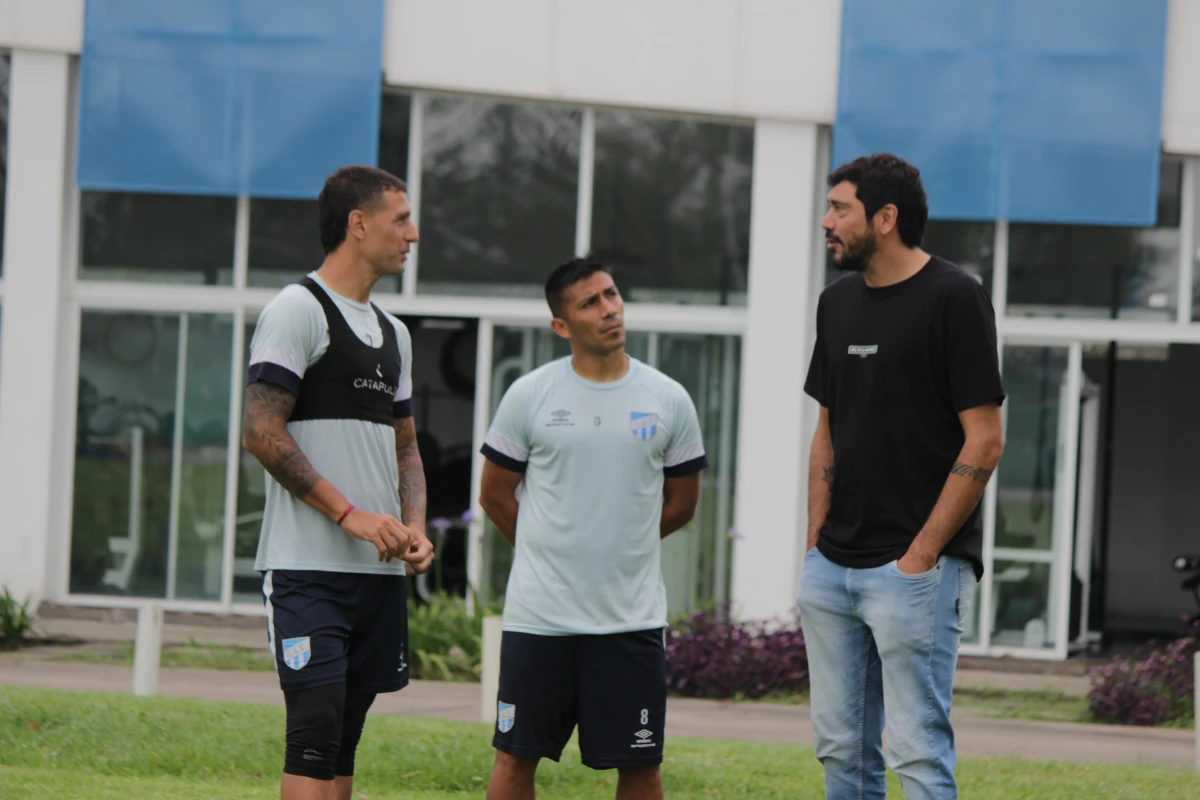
x=329 y=415
x=906 y=370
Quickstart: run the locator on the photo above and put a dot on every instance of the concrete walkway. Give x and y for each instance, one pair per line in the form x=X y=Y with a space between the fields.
x=251 y=632
x=687 y=718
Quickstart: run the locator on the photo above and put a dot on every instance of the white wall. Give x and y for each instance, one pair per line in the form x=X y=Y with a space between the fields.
x=52 y=25
x=30 y=347
x=772 y=489
x=752 y=58
x=1181 y=91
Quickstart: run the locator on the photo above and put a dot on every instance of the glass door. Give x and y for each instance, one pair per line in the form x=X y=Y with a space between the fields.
x=1024 y=599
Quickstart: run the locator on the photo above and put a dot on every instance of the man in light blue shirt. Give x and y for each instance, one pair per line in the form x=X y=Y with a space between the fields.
x=591 y=460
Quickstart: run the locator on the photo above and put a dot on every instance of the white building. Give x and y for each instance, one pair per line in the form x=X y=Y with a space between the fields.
x=687 y=142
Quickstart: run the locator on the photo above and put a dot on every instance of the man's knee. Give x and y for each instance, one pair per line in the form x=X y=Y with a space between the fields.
x=314 y=731
x=353 y=719
x=515 y=766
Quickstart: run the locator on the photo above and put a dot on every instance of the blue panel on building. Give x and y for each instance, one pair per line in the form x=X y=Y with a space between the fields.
x=227 y=97
x=1025 y=110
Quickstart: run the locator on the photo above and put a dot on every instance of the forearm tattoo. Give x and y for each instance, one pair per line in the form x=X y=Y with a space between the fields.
x=267 y=410
x=828 y=476
x=978 y=474
x=412 y=472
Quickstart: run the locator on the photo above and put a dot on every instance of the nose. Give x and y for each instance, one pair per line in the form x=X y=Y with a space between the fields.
x=827 y=220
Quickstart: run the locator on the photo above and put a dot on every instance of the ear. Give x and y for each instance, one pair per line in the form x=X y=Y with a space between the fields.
x=560 y=327
x=886 y=219
x=356 y=224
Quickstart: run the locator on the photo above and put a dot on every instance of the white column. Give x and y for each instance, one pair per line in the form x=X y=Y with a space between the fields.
x=38 y=120
x=772 y=488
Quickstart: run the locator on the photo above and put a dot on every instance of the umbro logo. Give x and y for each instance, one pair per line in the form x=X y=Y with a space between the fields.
x=561 y=418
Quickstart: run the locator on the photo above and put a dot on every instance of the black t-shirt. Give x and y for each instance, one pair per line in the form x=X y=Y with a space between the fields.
x=895 y=365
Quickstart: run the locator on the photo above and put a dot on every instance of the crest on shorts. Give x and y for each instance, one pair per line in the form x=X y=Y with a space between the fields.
x=644 y=425
x=506 y=715
x=297 y=652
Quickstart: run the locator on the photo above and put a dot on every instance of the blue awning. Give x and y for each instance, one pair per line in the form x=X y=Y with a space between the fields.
x=1023 y=110
x=227 y=97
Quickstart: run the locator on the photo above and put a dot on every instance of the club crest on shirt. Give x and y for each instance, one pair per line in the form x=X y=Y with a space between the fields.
x=644 y=425
x=297 y=652
x=506 y=716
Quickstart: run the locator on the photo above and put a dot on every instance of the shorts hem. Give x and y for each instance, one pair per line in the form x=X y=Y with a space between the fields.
x=527 y=752
x=617 y=763
x=315 y=683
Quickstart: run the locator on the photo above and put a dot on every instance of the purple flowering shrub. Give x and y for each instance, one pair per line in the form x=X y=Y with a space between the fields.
x=1153 y=689
x=711 y=655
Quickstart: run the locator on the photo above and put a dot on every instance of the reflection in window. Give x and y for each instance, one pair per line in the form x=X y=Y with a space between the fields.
x=1106 y=272
x=285 y=240
x=499 y=188
x=671 y=207
x=5 y=65
x=970 y=245
x=157 y=238
x=151 y=442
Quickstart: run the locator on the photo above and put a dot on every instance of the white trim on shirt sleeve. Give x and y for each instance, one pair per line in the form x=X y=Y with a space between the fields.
x=280 y=357
x=502 y=444
x=682 y=455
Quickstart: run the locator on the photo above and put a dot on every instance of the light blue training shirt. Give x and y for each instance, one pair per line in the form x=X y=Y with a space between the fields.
x=594 y=458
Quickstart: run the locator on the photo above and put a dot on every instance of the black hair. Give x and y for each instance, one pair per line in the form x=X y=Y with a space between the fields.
x=569 y=274
x=881 y=179
x=349 y=189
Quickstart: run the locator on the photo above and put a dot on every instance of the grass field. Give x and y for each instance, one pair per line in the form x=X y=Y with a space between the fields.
x=94 y=745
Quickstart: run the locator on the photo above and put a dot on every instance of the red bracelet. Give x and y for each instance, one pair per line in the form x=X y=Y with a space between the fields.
x=345 y=514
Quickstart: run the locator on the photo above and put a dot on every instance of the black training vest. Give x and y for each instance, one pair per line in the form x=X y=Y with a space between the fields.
x=352 y=380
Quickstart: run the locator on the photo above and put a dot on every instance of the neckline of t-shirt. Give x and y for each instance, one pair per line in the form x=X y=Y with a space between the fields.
x=335 y=295
x=605 y=385
x=899 y=286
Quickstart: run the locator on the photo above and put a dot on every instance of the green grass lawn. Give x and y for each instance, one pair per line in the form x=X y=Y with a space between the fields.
x=95 y=745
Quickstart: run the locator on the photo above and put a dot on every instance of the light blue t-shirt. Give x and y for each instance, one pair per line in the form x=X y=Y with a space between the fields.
x=594 y=456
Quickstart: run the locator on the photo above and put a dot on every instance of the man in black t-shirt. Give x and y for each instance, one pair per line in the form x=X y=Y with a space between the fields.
x=906 y=370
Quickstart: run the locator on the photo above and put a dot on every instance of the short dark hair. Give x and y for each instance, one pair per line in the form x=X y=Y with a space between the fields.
x=883 y=178
x=569 y=274
x=346 y=190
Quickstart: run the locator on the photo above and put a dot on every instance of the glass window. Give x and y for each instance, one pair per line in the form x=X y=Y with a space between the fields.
x=150 y=449
x=1103 y=272
x=499 y=189
x=5 y=64
x=671 y=207
x=182 y=239
x=285 y=241
x=970 y=245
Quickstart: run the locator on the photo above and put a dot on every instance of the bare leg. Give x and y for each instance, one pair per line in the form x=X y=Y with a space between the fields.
x=512 y=778
x=639 y=783
x=343 y=787
x=295 y=787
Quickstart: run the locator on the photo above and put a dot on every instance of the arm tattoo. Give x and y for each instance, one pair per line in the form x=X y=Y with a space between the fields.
x=412 y=473
x=828 y=476
x=967 y=471
x=267 y=409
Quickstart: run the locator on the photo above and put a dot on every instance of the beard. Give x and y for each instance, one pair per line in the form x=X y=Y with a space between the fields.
x=856 y=253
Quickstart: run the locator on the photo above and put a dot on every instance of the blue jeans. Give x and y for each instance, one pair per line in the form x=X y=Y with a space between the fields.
x=879 y=638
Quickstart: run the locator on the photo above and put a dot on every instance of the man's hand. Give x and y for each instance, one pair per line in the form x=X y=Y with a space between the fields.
x=384 y=531
x=915 y=562
x=420 y=554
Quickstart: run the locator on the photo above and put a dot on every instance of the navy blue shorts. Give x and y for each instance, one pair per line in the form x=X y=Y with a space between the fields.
x=612 y=686
x=330 y=627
